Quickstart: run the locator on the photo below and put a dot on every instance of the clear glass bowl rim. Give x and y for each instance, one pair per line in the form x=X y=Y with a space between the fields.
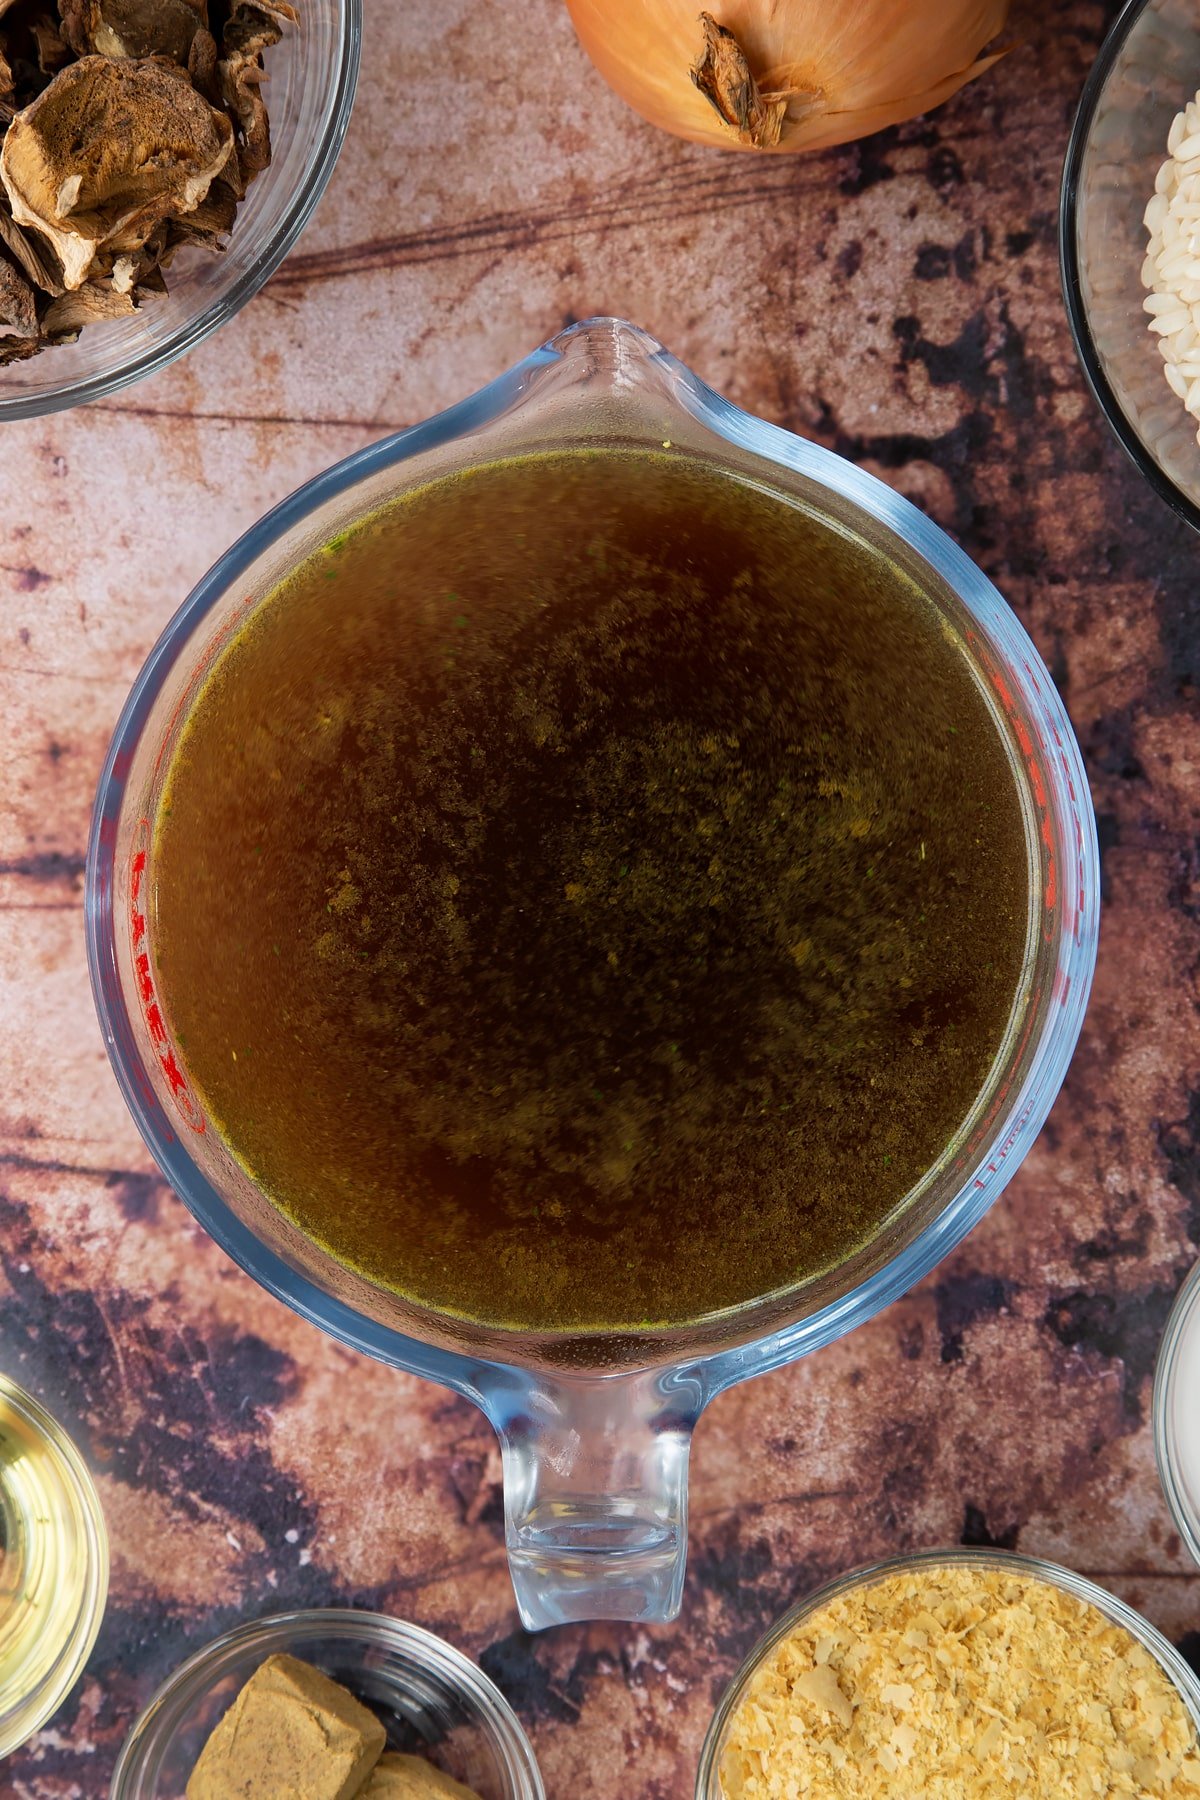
x=1121 y=426
x=287 y=1632
x=1182 y=1510
x=79 y=1640
x=474 y=1373
x=1035 y=1567
x=321 y=162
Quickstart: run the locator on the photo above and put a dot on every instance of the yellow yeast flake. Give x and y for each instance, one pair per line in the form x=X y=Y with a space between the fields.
x=967 y=1683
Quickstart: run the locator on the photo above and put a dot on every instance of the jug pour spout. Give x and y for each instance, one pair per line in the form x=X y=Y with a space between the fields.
x=611 y=348
x=595 y=1493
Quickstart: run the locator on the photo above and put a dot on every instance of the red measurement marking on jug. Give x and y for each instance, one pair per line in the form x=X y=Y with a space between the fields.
x=1032 y=758
x=186 y=1103
x=1016 y=1064
x=200 y=667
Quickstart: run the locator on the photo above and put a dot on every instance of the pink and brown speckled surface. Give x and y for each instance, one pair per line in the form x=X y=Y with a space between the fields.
x=900 y=302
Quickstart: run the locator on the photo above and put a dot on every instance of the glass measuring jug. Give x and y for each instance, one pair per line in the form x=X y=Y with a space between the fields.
x=595 y=1430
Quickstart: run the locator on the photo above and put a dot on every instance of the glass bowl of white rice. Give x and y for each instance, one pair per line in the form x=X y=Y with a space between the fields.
x=1129 y=240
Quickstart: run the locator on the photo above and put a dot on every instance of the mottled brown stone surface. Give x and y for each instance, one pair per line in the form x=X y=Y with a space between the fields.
x=900 y=302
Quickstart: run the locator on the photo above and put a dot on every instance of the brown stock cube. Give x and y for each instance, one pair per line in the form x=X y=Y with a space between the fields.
x=412 y=1778
x=291 y=1731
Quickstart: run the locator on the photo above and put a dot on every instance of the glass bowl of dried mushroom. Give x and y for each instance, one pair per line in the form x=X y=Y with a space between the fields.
x=332 y=1704
x=964 y=1672
x=158 y=159
x=1129 y=241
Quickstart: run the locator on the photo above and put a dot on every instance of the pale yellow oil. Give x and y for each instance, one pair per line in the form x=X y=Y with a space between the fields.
x=53 y=1565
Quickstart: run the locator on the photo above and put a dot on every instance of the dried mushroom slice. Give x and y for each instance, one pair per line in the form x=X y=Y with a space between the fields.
x=150 y=27
x=202 y=65
x=208 y=224
x=18 y=303
x=52 y=52
x=15 y=349
x=126 y=270
x=252 y=27
x=66 y=316
x=38 y=263
x=241 y=91
x=79 y=21
x=133 y=28
x=106 y=153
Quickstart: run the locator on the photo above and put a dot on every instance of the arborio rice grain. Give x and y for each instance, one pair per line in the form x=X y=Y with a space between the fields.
x=953 y=1682
x=1171 y=270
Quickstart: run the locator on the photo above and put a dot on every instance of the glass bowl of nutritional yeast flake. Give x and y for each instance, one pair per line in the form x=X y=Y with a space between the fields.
x=53 y=1565
x=1010 y=1578
x=431 y=1699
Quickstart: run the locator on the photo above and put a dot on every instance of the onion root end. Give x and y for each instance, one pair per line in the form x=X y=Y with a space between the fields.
x=723 y=75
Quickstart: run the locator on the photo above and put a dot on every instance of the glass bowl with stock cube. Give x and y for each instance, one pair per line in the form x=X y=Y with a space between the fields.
x=332 y=1704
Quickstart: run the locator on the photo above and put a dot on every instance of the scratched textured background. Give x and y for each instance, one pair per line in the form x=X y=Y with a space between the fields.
x=900 y=302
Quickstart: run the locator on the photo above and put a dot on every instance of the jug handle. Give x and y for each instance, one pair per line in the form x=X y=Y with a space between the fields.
x=595 y=1492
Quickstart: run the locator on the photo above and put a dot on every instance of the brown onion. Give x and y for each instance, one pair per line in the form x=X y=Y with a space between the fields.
x=786 y=74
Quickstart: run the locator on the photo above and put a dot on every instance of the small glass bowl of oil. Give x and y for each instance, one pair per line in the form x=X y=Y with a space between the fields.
x=53 y=1565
